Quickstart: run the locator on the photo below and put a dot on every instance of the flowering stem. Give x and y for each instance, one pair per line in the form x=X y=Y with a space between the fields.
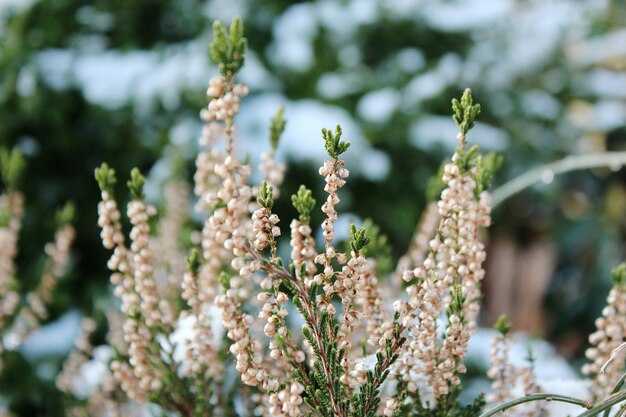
x=570 y=163
x=387 y=362
x=314 y=321
x=538 y=397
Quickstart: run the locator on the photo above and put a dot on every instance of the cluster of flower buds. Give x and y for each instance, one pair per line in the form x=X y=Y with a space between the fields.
x=273 y=311
x=204 y=178
x=609 y=335
x=225 y=98
x=273 y=171
x=419 y=245
x=335 y=177
x=453 y=351
x=501 y=372
x=390 y=407
x=81 y=354
x=264 y=225
x=123 y=373
x=201 y=354
x=139 y=214
x=120 y=261
x=287 y=402
x=420 y=358
x=249 y=360
x=109 y=220
x=166 y=246
x=303 y=249
x=350 y=278
x=454 y=261
x=371 y=301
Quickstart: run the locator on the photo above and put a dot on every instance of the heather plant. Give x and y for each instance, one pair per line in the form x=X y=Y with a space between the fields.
x=311 y=336
x=21 y=312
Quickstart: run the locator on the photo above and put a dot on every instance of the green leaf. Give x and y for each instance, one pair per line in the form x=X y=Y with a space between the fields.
x=228 y=47
x=105 y=177
x=358 y=238
x=265 y=196
x=224 y=279
x=277 y=127
x=12 y=164
x=458 y=299
x=502 y=325
x=464 y=112
x=136 y=183
x=66 y=214
x=467 y=159
x=619 y=274
x=5 y=217
x=378 y=248
x=304 y=203
x=194 y=261
x=487 y=165
x=333 y=143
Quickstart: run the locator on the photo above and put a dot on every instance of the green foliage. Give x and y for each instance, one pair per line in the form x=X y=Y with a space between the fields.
x=619 y=274
x=277 y=127
x=303 y=202
x=502 y=325
x=458 y=299
x=229 y=47
x=12 y=165
x=333 y=143
x=320 y=395
x=224 y=280
x=467 y=159
x=105 y=177
x=265 y=196
x=365 y=401
x=358 y=238
x=136 y=183
x=194 y=261
x=465 y=112
x=66 y=214
x=5 y=217
x=378 y=248
x=487 y=165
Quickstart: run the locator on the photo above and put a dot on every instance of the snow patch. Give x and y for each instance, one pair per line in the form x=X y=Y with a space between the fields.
x=293 y=32
x=378 y=106
x=433 y=130
x=302 y=140
x=460 y=16
x=56 y=338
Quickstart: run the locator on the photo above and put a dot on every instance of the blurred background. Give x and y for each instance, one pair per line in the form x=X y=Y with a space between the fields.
x=122 y=81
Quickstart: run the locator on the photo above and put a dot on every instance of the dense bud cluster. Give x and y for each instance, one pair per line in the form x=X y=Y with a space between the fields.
x=287 y=402
x=21 y=314
x=610 y=334
x=226 y=98
x=249 y=360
